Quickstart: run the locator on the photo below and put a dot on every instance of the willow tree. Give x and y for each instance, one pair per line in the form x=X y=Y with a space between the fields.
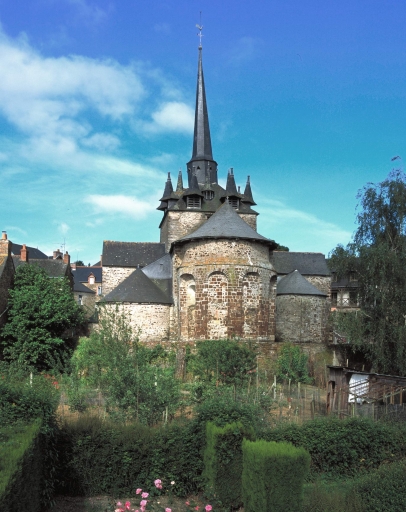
x=377 y=254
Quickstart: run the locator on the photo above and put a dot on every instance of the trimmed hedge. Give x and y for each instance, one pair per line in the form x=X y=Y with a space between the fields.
x=273 y=476
x=344 y=447
x=223 y=462
x=384 y=489
x=21 y=467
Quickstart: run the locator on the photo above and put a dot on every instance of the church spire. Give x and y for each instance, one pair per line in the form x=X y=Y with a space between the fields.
x=202 y=155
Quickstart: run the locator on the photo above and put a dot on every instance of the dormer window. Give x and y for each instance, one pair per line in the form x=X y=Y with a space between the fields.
x=193 y=202
x=235 y=202
x=208 y=194
x=91 y=279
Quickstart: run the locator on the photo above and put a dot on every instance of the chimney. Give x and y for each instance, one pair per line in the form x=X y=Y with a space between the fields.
x=73 y=266
x=57 y=254
x=5 y=245
x=24 y=253
x=66 y=258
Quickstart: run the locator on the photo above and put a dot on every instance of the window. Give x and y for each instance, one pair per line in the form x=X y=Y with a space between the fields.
x=99 y=290
x=91 y=279
x=193 y=202
x=234 y=202
x=208 y=195
x=80 y=300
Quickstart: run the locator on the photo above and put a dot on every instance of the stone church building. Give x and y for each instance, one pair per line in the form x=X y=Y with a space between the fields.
x=212 y=275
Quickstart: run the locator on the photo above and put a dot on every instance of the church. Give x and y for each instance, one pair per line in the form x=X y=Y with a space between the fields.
x=212 y=275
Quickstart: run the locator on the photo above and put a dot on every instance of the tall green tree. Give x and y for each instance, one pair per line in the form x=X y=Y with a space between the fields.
x=378 y=256
x=42 y=318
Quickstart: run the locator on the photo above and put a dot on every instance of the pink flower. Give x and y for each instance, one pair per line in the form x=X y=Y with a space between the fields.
x=143 y=503
x=138 y=491
x=119 y=510
x=196 y=508
x=145 y=495
x=157 y=482
x=187 y=503
x=127 y=505
x=168 y=510
x=207 y=508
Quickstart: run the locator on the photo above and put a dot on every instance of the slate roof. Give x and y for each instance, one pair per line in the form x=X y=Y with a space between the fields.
x=81 y=274
x=81 y=288
x=32 y=252
x=295 y=284
x=53 y=268
x=307 y=263
x=226 y=223
x=160 y=272
x=3 y=264
x=131 y=254
x=138 y=288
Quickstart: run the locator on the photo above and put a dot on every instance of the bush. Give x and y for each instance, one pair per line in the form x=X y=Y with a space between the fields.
x=223 y=462
x=384 y=489
x=21 y=468
x=343 y=447
x=273 y=476
x=292 y=363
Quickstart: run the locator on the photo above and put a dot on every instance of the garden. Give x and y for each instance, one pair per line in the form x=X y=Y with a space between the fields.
x=122 y=426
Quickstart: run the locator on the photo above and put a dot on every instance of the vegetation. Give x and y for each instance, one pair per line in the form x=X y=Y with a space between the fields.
x=377 y=255
x=42 y=318
x=292 y=364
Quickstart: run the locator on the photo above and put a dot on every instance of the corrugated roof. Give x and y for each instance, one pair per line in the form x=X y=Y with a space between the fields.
x=307 y=263
x=295 y=284
x=138 y=288
x=226 y=223
x=131 y=254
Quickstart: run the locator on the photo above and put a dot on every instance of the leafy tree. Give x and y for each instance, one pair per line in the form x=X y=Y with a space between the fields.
x=378 y=256
x=292 y=364
x=225 y=361
x=138 y=382
x=41 y=323
x=79 y=263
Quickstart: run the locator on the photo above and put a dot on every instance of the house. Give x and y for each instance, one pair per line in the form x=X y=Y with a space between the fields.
x=87 y=286
x=212 y=275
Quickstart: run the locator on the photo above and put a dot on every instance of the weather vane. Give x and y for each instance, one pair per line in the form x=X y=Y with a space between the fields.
x=200 y=27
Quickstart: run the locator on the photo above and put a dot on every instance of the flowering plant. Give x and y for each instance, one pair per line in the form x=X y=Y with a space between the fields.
x=156 y=506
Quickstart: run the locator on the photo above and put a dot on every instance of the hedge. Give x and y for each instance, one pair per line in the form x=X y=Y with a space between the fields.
x=21 y=467
x=273 y=476
x=223 y=462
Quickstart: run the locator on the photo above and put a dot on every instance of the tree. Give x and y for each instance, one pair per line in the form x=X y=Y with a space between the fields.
x=138 y=382
x=378 y=256
x=42 y=318
x=79 y=263
x=292 y=363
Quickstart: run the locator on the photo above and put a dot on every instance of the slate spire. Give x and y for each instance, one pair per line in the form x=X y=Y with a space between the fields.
x=231 y=188
x=179 y=186
x=248 y=193
x=167 y=193
x=202 y=156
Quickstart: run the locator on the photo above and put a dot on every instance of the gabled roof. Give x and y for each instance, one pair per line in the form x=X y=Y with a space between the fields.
x=53 y=268
x=81 y=274
x=226 y=223
x=307 y=263
x=33 y=253
x=138 y=288
x=81 y=288
x=295 y=284
x=131 y=254
x=159 y=269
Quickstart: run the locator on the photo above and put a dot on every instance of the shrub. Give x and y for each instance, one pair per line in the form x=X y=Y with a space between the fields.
x=292 y=363
x=223 y=462
x=21 y=468
x=384 y=489
x=343 y=447
x=273 y=476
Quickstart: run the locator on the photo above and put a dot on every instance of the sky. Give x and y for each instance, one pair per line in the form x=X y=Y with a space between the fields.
x=97 y=100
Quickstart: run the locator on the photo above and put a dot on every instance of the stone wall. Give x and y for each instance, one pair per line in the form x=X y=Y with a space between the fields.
x=113 y=276
x=301 y=318
x=150 y=321
x=250 y=219
x=322 y=283
x=223 y=289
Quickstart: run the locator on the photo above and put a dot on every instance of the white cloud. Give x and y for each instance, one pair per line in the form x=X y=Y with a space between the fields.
x=121 y=204
x=171 y=116
x=102 y=142
x=164 y=28
x=63 y=228
x=89 y=12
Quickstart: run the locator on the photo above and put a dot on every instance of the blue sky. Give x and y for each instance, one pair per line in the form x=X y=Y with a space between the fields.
x=97 y=98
